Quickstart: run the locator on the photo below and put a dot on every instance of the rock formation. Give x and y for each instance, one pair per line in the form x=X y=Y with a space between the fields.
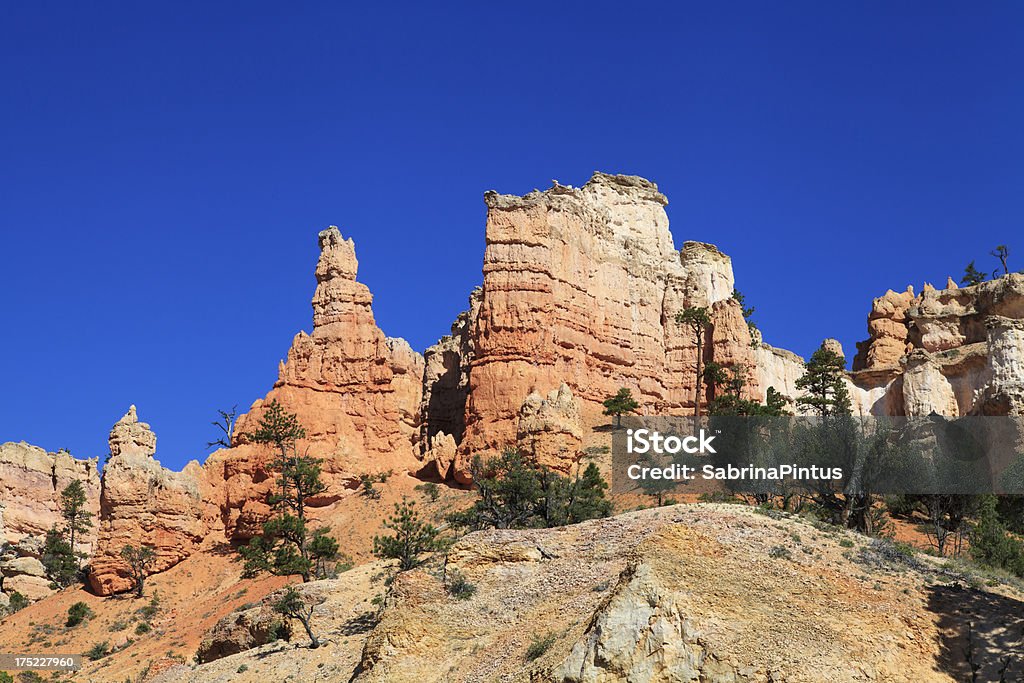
x=955 y=351
x=31 y=481
x=356 y=392
x=581 y=286
x=143 y=504
x=549 y=431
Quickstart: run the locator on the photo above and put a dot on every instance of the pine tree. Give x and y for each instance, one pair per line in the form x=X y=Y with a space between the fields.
x=60 y=562
x=621 y=402
x=285 y=548
x=76 y=517
x=696 y=319
x=411 y=539
x=825 y=384
x=972 y=276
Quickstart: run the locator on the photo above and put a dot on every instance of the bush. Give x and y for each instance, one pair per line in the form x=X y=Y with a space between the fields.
x=143 y=628
x=5 y=677
x=459 y=587
x=539 y=645
x=78 y=613
x=242 y=669
x=98 y=651
x=430 y=490
x=17 y=602
x=780 y=553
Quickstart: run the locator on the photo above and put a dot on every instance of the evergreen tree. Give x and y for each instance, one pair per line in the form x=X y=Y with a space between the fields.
x=411 y=539
x=286 y=546
x=621 y=402
x=292 y=605
x=747 y=311
x=972 y=276
x=824 y=381
x=990 y=542
x=60 y=562
x=76 y=517
x=139 y=561
x=514 y=494
x=696 y=319
x=727 y=384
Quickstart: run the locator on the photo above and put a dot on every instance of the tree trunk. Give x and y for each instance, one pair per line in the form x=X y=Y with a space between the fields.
x=700 y=354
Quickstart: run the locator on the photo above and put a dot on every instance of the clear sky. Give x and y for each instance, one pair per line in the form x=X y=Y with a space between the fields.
x=165 y=168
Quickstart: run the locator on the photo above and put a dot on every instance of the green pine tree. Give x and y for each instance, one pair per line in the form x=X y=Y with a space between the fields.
x=972 y=276
x=284 y=548
x=825 y=386
x=621 y=402
x=696 y=319
x=412 y=537
x=77 y=519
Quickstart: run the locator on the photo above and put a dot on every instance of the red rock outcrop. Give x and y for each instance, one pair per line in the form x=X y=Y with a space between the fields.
x=582 y=285
x=356 y=392
x=143 y=504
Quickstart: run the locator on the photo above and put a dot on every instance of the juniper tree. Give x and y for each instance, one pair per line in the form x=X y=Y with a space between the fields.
x=696 y=319
x=621 y=402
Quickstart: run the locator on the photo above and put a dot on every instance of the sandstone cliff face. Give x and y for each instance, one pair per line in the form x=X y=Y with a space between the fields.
x=356 y=392
x=582 y=285
x=143 y=503
x=31 y=481
x=550 y=432
x=956 y=351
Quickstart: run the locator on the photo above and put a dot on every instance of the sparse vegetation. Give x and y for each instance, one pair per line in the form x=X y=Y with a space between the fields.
x=78 y=613
x=513 y=494
x=98 y=651
x=539 y=645
x=431 y=490
x=143 y=628
x=459 y=587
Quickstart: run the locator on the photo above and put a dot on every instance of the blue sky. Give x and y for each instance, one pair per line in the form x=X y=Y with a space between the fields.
x=165 y=167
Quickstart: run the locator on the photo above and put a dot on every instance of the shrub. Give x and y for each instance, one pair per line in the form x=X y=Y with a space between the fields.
x=539 y=645
x=78 y=613
x=780 y=553
x=98 y=651
x=17 y=602
x=5 y=677
x=430 y=490
x=242 y=669
x=143 y=628
x=459 y=587
x=846 y=543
